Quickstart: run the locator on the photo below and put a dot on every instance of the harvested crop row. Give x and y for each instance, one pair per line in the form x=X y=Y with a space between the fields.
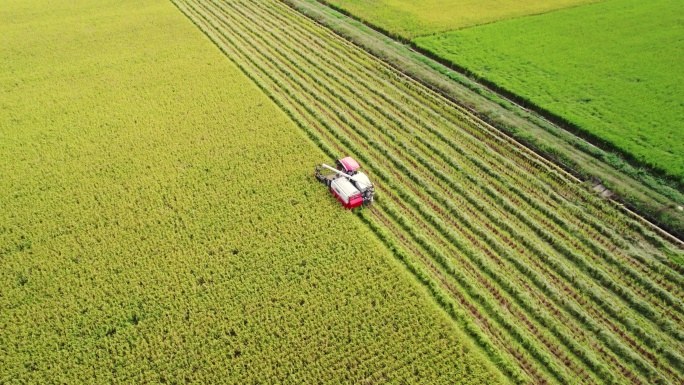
x=511 y=225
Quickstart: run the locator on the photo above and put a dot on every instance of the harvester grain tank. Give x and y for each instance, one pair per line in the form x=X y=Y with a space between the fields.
x=350 y=186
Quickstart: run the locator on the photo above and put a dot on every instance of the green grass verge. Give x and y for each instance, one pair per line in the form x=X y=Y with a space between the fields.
x=160 y=223
x=612 y=70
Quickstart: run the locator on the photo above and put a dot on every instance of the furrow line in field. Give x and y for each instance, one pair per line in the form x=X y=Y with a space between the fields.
x=602 y=248
x=465 y=206
x=468 y=305
x=405 y=211
x=644 y=367
x=494 y=311
x=455 y=293
x=647 y=337
x=591 y=260
x=572 y=229
x=574 y=346
x=512 y=209
x=552 y=228
x=440 y=253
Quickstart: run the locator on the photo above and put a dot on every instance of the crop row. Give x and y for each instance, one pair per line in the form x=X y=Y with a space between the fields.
x=546 y=191
x=562 y=285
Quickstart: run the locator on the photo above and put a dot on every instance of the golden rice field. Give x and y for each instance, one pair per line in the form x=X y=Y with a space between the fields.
x=161 y=222
x=158 y=223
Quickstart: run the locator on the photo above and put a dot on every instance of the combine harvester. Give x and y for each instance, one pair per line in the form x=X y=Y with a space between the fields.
x=350 y=186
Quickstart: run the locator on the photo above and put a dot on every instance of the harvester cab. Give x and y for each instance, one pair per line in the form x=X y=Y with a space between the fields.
x=347 y=165
x=350 y=186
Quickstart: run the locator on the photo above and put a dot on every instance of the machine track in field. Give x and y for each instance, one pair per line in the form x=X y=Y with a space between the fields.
x=555 y=284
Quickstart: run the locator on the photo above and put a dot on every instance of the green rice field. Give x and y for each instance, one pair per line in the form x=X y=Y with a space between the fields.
x=410 y=19
x=613 y=69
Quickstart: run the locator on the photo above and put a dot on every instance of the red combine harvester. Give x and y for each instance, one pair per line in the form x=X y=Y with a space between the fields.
x=350 y=186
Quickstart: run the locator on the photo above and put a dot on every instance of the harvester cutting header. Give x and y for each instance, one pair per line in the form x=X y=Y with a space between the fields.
x=349 y=185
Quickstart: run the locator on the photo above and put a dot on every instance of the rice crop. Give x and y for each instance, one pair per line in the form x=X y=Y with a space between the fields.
x=158 y=222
